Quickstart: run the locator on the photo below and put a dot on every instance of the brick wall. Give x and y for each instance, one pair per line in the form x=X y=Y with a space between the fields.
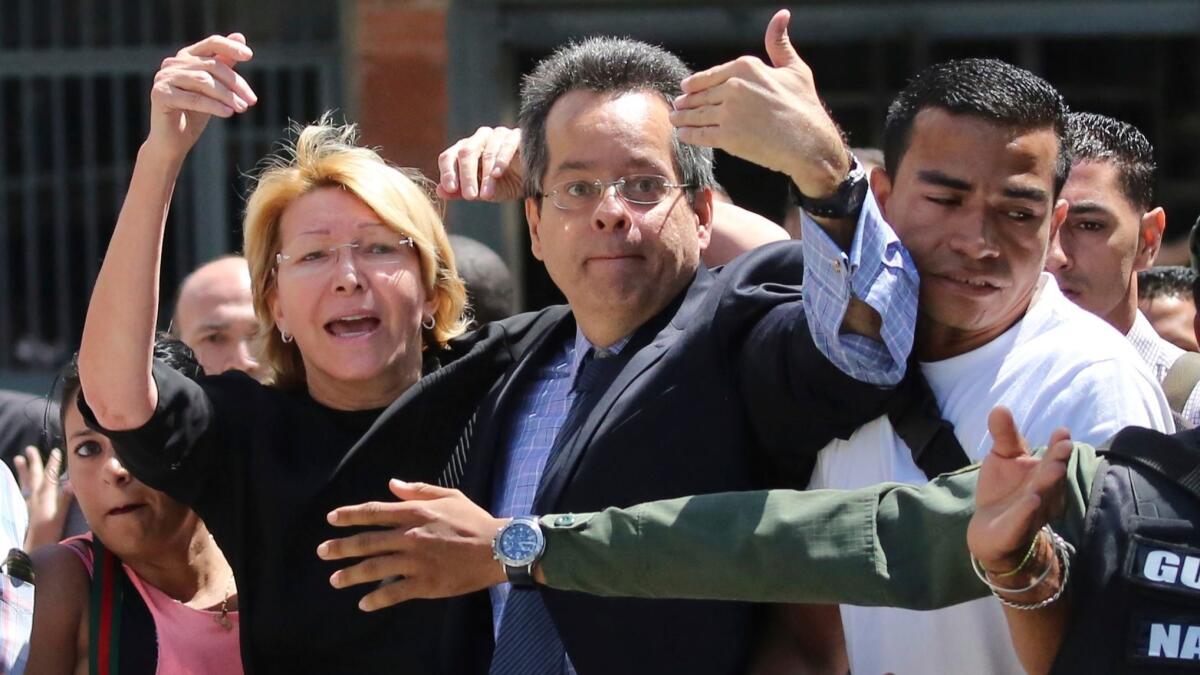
x=397 y=55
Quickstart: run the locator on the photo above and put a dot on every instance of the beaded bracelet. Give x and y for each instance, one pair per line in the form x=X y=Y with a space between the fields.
x=1062 y=549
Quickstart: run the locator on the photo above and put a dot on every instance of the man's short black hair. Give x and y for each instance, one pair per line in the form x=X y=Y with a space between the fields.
x=1096 y=138
x=1166 y=282
x=992 y=90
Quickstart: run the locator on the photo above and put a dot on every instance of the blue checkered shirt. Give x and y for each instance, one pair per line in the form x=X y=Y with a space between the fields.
x=13 y=516
x=540 y=411
x=16 y=599
x=877 y=270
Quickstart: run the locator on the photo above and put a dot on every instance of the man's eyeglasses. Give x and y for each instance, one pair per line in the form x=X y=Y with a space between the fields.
x=644 y=189
x=307 y=258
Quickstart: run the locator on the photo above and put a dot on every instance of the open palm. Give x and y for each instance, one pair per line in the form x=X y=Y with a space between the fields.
x=1017 y=493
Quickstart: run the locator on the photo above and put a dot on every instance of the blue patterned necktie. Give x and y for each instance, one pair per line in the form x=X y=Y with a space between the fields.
x=528 y=643
x=592 y=369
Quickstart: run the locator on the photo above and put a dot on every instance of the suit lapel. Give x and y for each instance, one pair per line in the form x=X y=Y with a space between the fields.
x=562 y=467
x=648 y=345
x=493 y=419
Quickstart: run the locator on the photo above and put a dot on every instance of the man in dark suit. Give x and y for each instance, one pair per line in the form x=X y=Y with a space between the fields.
x=660 y=378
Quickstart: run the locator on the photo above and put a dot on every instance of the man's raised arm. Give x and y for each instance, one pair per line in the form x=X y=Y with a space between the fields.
x=861 y=285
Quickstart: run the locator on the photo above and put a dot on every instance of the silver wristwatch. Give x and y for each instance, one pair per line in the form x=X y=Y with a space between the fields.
x=518 y=545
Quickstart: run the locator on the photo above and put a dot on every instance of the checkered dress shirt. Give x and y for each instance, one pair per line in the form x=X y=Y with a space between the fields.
x=876 y=270
x=16 y=598
x=1160 y=355
x=539 y=413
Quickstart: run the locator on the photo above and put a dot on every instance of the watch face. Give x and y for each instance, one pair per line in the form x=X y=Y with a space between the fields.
x=520 y=543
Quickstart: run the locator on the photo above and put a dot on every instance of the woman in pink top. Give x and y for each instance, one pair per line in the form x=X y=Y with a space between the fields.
x=148 y=591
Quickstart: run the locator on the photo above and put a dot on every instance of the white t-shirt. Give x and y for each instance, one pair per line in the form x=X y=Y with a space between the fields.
x=1058 y=366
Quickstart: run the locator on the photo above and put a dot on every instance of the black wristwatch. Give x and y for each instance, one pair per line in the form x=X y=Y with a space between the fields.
x=518 y=545
x=846 y=202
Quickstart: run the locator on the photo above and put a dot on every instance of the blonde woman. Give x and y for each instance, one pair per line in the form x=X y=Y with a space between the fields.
x=357 y=294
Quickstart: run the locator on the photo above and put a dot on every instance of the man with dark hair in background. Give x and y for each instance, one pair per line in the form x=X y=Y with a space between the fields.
x=1165 y=297
x=1112 y=233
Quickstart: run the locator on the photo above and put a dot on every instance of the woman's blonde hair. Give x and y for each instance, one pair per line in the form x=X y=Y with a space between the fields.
x=327 y=155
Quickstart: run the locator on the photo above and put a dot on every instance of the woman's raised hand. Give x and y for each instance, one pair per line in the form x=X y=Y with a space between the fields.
x=195 y=84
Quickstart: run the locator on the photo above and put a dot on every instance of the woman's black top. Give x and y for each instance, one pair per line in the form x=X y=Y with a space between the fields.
x=262 y=467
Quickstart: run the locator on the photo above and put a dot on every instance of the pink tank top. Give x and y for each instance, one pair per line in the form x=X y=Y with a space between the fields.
x=190 y=641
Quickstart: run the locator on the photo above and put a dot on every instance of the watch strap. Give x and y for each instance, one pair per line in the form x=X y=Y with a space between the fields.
x=520 y=575
x=845 y=202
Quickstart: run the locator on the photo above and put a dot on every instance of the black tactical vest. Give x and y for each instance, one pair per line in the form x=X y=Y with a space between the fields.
x=1135 y=581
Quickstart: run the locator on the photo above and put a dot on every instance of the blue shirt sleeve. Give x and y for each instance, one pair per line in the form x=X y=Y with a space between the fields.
x=876 y=270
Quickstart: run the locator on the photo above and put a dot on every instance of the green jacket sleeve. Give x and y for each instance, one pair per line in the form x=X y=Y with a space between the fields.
x=885 y=545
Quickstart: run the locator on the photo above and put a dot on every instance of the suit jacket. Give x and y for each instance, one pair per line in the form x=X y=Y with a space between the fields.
x=724 y=390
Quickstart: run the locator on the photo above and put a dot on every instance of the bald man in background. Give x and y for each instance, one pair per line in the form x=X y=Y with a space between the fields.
x=214 y=316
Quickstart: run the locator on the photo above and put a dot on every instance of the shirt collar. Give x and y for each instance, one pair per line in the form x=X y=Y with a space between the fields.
x=582 y=345
x=1153 y=348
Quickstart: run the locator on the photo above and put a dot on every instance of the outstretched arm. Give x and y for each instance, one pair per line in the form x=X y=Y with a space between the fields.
x=885 y=545
x=860 y=285
x=118 y=335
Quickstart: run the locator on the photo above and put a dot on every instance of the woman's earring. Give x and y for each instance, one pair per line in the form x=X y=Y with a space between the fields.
x=285 y=336
x=428 y=323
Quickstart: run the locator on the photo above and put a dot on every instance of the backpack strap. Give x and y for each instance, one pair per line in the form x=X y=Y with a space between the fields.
x=104 y=619
x=917 y=420
x=1175 y=457
x=1181 y=379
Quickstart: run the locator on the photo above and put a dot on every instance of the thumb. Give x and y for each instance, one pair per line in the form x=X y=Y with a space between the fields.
x=779 y=45
x=238 y=37
x=418 y=491
x=1006 y=440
